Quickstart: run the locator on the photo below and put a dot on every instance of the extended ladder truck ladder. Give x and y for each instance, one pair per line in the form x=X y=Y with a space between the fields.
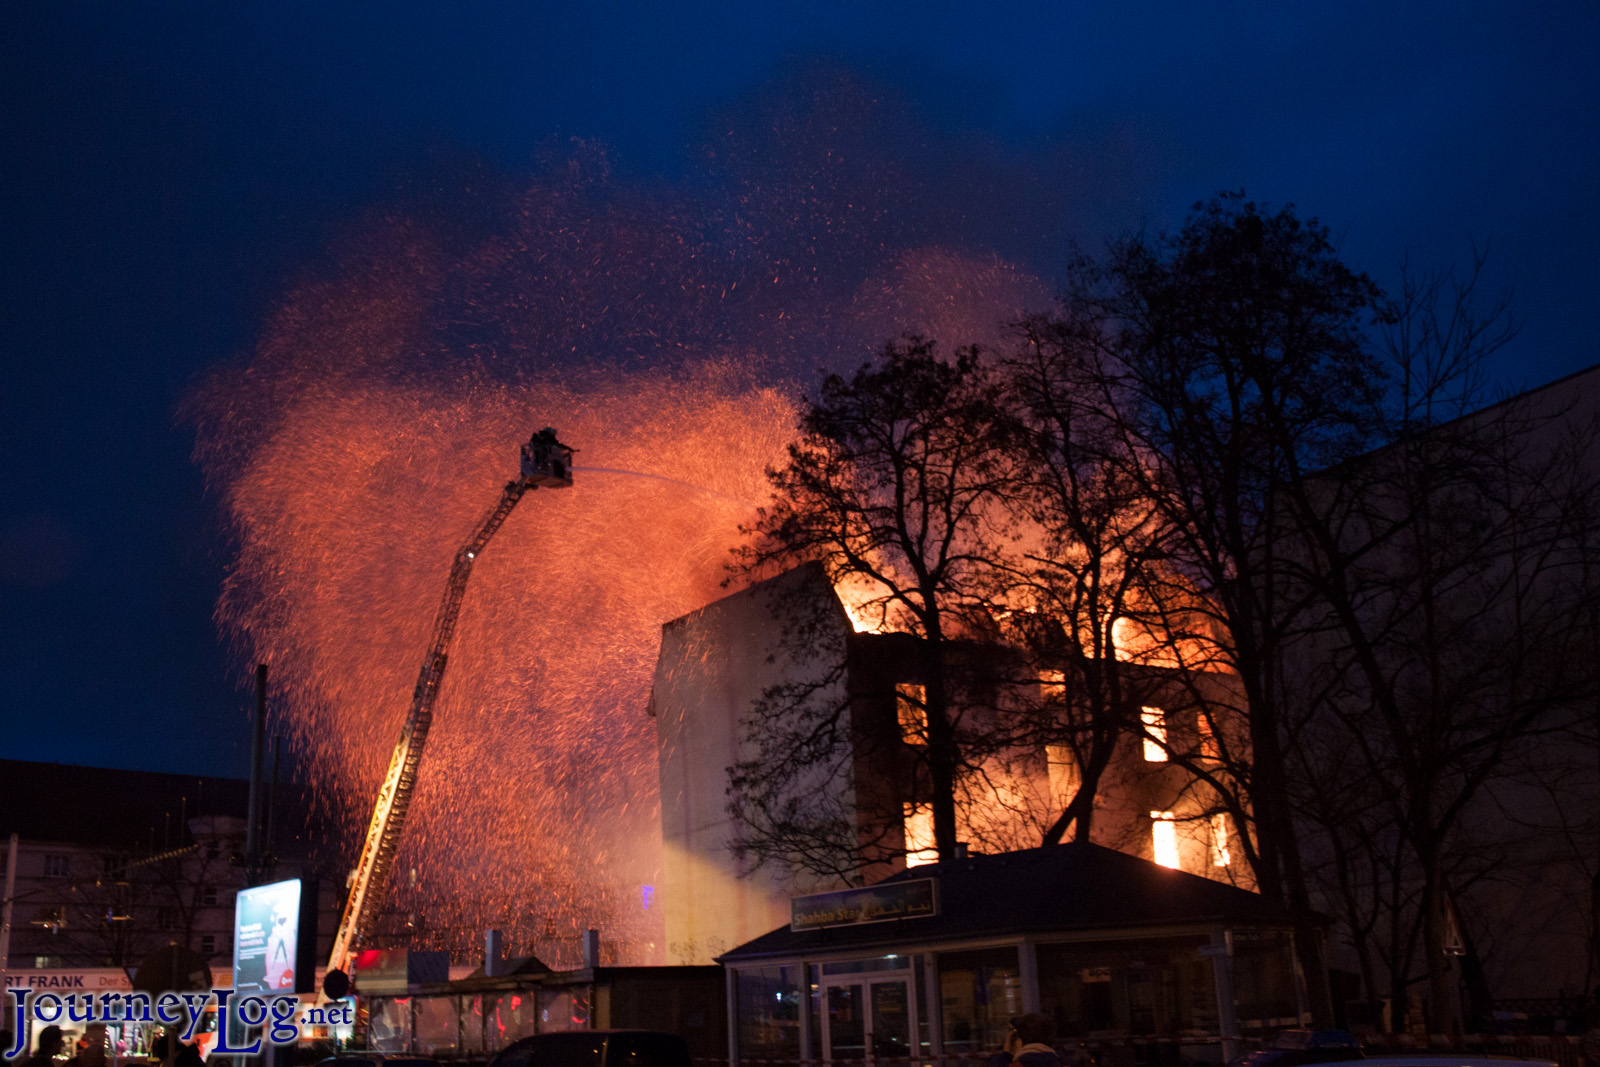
x=546 y=463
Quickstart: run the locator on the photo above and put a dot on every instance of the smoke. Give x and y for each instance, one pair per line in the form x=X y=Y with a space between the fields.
x=663 y=329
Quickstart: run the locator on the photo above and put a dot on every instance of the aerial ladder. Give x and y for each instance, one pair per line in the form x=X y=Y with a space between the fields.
x=546 y=464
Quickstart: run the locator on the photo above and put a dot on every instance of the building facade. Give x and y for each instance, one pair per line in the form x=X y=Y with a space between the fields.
x=723 y=662
x=1137 y=965
x=105 y=866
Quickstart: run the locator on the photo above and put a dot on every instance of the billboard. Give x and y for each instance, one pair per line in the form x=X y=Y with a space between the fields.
x=274 y=938
x=875 y=904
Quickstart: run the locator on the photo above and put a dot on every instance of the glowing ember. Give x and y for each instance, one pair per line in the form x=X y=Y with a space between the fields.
x=541 y=762
x=381 y=415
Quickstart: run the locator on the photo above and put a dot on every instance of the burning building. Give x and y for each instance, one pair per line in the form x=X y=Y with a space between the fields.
x=725 y=666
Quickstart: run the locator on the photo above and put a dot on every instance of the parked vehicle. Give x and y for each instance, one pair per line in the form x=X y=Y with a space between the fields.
x=1292 y=1048
x=377 y=1059
x=1451 y=1059
x=596 y=1048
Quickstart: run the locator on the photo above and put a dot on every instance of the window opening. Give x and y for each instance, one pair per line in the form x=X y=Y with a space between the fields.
x=1220 y=855
x=1164 y=839
x=911 y=709
x=1063 y=771
x=920 y=845
x=1155 y=734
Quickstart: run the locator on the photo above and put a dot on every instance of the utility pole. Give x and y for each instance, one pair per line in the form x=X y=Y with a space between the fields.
x=253 y=844
x=5 y=923
x=255 y=847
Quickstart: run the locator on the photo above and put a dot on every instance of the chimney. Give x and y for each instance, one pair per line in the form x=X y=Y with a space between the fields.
x=493 y=959
x=591 y=948
x=960 y=850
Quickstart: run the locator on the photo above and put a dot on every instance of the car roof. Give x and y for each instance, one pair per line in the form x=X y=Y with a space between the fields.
x=602 y=1033
x=1443 y=1059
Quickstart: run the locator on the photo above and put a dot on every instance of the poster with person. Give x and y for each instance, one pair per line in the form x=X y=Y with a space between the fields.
x=266 y=933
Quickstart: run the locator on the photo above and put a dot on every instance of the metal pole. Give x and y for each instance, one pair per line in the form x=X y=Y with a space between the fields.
x=731 y=993
x=1028 y=972
x=258 y=741
x=272 y=799
x=5 y=924
x=1221 y=952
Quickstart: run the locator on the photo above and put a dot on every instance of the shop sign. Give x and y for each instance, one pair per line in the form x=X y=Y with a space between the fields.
x=875 y=904
x=88 y=979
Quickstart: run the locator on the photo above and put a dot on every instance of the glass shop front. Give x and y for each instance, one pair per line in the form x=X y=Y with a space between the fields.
x=1118 y=999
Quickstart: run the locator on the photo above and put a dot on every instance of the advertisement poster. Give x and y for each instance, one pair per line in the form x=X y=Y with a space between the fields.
x=265 y=935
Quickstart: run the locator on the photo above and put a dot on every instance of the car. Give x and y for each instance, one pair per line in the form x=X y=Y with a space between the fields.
x=1292 y=1048
x=596 y=1048
x=1450 y=1059
x=377 y=1059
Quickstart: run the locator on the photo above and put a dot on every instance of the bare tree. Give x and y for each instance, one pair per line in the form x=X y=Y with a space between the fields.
x=1451 y=627
x=1240 y=365
x=1093 y=534
x=1230 y=465
x=897 y=486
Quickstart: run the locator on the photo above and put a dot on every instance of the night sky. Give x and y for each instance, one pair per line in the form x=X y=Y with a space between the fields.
x=168 y=171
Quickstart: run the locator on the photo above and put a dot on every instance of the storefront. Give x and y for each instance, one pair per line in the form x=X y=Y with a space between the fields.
x=478 y=1015
x=1138 y=965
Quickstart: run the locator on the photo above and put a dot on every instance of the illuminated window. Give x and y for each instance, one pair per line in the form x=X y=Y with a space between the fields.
x=1063 y=775
x=1164 y=839
x=1125 y=637
x=1209 y=748
x=1220 y=856
x=1061 y=766
x=1155 y=734
x=911 y=708
x=920 y=846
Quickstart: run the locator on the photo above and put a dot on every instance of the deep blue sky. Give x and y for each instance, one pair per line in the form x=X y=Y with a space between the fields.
x=167 y=170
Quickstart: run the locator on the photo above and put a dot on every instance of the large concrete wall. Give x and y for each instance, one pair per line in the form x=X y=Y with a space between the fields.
x=713 y=665
x=1523 y=852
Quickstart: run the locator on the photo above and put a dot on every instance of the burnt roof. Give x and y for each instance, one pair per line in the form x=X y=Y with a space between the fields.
x=1059 y=888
